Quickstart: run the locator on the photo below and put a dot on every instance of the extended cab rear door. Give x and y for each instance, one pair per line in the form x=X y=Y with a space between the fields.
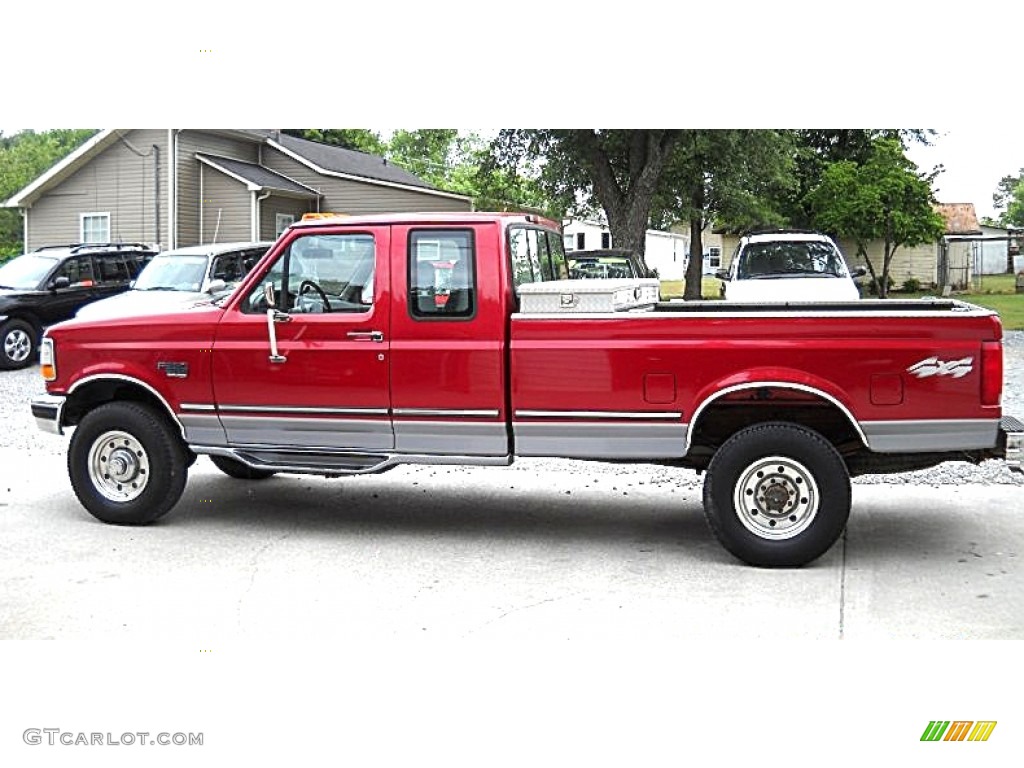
x=448 y=351
x=324 y=384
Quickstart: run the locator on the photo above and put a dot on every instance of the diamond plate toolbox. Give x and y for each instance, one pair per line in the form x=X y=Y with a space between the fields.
x=590 y=295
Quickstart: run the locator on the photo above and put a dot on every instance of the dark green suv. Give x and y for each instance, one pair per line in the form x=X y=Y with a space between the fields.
x=50 y=284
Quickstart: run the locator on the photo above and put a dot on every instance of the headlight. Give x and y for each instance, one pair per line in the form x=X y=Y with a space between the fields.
x=47 y=360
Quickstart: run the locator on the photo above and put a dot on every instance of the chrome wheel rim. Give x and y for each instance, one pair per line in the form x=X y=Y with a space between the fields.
x=776 y=498
x=118 y=466
x=17 y=345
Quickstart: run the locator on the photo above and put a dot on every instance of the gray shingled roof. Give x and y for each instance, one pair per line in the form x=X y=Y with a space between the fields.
x=257 y=174
x=348 y=161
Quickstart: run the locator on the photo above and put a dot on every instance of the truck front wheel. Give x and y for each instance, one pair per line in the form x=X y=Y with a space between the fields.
x=127 y=464
x=777 y=494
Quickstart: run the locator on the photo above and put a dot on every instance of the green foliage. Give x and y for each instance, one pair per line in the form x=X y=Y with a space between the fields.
x=23 y=157
x=882 y=198
x=816 y=149
x=911 y=285
x=1008 y=199
x=360 y=139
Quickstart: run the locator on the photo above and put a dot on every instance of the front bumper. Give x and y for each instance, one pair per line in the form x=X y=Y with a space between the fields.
x=47 y=411
x=1011 y=442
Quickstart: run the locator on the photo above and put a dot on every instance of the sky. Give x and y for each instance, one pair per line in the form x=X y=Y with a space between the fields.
x=975 y=158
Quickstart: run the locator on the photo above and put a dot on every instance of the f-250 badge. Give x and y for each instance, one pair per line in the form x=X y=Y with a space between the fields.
x=932 y=366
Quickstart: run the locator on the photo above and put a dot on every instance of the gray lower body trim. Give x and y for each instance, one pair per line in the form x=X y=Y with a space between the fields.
x=332 y=434
x=452 y=437
x=202 y=428
x=578 y=440
x=930 y=436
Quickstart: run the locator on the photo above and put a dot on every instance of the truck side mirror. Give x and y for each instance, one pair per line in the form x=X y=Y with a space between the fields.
x=722 y=274
x=218 y=285
x=859 y=272
x=59 y=282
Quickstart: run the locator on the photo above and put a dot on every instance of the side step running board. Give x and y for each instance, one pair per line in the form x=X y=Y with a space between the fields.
x=332 y=463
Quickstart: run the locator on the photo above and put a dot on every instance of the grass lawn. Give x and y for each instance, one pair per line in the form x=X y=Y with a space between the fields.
x=996 y=292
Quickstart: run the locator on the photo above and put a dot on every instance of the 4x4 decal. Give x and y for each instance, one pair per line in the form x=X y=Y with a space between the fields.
x=932 y=366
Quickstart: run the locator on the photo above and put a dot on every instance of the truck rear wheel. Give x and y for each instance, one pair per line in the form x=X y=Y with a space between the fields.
x=238 y=470
x=777 y=494
x=127 y=464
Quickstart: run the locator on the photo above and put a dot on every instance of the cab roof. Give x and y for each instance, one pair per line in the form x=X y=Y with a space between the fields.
x=429 y=217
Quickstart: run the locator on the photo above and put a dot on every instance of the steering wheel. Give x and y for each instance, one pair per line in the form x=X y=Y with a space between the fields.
x=310 y=284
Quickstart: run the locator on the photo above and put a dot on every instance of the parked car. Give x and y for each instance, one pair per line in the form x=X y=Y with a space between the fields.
x=788 y=266
x=606 y=263
x=175 y=279
x=51 y=283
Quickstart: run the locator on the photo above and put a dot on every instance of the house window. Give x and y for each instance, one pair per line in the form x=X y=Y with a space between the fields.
x=281 y=222
x=714 y=257
x=95 y=228
x=581 y=241
x=606 y=239
x=568 y=240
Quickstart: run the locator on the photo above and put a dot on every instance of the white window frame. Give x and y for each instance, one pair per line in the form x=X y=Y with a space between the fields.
x=282 y=221
x=93 y=215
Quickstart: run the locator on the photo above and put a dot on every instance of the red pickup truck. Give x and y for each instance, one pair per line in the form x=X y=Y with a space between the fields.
x=335 y=356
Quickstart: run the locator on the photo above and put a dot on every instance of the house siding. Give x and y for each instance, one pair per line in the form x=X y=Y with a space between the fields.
x=919 y=261
x=227 y=210
x=189 y=201
x=356 y=197
x=117 y=181
x=274 y=205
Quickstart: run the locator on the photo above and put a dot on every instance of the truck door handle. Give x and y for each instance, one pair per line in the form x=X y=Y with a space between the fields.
x=377 y=336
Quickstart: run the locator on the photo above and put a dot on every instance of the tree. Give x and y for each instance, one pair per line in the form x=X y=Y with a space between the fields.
x=817 y=148
x=883 y=198
x=23 y=157
x=1008 y=199
x=735 y=177
x=360 y=139
x=582 y=169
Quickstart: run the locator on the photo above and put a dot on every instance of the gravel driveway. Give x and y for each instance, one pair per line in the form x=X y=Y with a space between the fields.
x=20 y=432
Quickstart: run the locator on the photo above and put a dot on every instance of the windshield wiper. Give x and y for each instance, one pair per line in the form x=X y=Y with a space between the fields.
x=157 y=288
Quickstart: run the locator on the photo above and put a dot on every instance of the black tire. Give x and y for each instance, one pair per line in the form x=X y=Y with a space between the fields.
x=238 y=470
x=149 y=457
x=19 y=343
x=777 y=495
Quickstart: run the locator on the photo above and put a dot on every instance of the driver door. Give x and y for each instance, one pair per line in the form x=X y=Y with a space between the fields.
x=324 y=384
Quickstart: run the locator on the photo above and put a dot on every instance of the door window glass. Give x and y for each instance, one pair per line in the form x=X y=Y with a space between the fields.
x=442 y=274
x=320 y=273
x=78 y=271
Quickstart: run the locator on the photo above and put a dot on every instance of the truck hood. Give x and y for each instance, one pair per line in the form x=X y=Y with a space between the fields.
x=134 y=303
x=782 y=289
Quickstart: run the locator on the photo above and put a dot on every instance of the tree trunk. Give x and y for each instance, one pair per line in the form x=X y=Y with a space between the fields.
x=695 y=267
x=628 y=205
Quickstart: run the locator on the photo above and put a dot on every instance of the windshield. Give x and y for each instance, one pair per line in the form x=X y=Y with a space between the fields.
x=173 y=273
x=795 y=258
x=603 y=267
x=26 y=272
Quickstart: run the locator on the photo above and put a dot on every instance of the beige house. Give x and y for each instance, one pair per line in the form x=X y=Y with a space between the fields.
x=946 y=262
x=181 y=186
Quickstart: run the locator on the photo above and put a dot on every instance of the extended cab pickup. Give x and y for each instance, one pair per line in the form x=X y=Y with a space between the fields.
x=360 y=343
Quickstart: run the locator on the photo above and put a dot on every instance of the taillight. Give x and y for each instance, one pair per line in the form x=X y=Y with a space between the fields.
x=991 y=372
x=47 y=360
